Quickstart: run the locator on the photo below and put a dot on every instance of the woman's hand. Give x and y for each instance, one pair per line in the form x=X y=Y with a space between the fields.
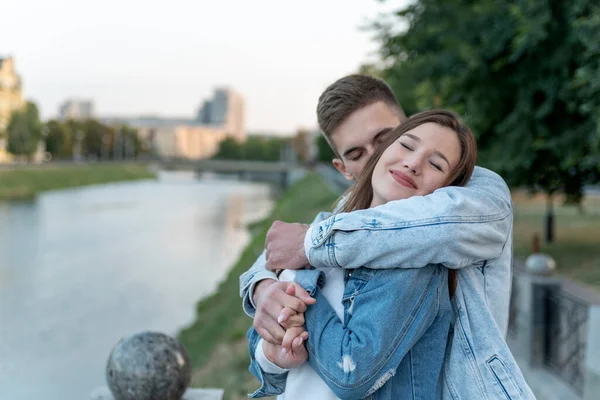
x=288 y=359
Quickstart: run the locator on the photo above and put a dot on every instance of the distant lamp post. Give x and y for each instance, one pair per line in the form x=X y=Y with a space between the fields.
x=41 y=155
x=105 y=143
x=77 y=146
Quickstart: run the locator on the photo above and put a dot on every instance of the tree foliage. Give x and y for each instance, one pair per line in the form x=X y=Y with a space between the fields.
x=524 y=75
x=24 y=131
x=98 y=141
x=255 y=148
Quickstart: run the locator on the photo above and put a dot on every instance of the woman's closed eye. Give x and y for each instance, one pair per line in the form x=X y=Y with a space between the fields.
x=407 y=147
x=436 y=166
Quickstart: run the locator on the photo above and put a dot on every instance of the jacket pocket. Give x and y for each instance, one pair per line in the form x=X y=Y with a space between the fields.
x=504 y=379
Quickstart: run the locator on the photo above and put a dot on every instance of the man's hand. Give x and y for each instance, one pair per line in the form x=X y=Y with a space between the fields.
x=285 y=246
x=287 y=359
x=271 y=302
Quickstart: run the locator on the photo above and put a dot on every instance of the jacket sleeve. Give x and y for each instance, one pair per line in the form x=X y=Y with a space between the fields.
x=453 y=226
x=271 y=384
x=356 y=359
x=259 y=272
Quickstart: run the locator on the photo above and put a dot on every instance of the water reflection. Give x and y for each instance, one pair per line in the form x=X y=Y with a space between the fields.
x=82 y=268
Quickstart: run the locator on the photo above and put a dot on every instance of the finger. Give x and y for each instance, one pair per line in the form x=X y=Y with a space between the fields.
x=285 y=314
x=270 y=330
x=294 y=303
x=280 y=299
x=293 y=321
x=302 y=294
x=291 y=290
x=266 y=336
x=289 y=337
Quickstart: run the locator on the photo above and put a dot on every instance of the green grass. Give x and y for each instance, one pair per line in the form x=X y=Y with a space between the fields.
x=21 y=183
x=216 y=341
x=576 y=247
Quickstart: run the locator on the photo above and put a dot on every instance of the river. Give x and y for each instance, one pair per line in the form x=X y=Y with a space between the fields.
x=81 y=268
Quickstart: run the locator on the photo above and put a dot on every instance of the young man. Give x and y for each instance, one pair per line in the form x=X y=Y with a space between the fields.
x=457 y=227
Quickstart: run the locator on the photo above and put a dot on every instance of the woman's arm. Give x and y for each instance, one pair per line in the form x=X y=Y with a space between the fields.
x=389 y=315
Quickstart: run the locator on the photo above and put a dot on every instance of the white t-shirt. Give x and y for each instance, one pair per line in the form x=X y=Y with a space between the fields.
x=303 y=382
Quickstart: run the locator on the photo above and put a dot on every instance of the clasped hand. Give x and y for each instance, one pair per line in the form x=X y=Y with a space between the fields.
x=283 y=340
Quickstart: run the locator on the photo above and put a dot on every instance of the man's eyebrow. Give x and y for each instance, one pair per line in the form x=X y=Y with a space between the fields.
x=382 y=132
x=377 y=136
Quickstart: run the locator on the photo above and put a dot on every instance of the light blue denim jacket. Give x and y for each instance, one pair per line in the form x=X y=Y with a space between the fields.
x=468 y=228
x=391 y=344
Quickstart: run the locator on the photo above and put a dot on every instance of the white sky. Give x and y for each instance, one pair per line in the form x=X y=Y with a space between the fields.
x=145 y=57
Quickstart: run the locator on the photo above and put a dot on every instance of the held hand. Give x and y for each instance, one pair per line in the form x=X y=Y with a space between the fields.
x=285 y=246
x=271 y=298
x=288 y=359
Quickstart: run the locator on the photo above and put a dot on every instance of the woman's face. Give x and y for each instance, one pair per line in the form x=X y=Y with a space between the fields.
x=416 y=164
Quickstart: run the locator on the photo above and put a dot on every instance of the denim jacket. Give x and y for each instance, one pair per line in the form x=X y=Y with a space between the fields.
x=391 y=344
x=459 y=227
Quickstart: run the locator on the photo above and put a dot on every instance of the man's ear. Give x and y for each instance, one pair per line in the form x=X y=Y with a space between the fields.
x=339 y=165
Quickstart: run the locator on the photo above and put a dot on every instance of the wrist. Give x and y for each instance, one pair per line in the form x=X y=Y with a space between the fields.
x=260 y=288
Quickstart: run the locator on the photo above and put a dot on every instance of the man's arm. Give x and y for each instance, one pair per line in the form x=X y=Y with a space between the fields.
x=250 y=279
x=454 y=226
x=258 y=273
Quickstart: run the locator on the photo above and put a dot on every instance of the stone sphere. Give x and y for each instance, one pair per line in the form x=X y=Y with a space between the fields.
x=148 y=366
x=540 y=264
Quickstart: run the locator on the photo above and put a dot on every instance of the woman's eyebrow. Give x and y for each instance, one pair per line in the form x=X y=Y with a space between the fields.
x=413 y=137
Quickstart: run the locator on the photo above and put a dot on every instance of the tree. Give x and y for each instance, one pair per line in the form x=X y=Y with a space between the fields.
x=324 y=152
x=303 y=144
x=56 y=138
x=525 y=76
x=24 y=131
x=255 y=148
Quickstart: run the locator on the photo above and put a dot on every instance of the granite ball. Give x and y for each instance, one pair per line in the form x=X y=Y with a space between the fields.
x=148 y=366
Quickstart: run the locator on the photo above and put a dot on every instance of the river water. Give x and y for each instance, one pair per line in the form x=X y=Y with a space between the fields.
x=81 y=268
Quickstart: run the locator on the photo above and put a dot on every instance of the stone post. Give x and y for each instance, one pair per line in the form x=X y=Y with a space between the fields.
x=532 y=315
x=591 y=387
x=533 y=286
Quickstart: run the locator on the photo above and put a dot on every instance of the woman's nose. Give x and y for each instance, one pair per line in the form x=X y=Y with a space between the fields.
x=413 y=164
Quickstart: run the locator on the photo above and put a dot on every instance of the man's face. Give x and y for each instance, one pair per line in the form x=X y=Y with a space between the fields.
x=356 y=137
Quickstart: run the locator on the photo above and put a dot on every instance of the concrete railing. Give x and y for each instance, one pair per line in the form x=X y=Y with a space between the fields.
x=554 y=332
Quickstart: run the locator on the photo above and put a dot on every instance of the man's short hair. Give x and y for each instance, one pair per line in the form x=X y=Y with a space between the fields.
x=351 y=93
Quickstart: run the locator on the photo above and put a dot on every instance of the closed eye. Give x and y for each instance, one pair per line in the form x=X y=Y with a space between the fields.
x=407 y=147
x=436 y=166
x=355 y=156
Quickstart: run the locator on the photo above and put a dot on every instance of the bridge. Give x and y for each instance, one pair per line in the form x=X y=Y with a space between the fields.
x=280 y=173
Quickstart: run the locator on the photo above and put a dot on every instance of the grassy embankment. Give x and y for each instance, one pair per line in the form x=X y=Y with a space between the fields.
x=216 y=341
x=22 y=183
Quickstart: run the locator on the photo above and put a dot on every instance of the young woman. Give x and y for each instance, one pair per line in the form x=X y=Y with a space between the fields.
x=389 y=340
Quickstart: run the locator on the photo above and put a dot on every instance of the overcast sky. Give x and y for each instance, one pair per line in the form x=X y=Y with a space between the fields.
x=136 y=57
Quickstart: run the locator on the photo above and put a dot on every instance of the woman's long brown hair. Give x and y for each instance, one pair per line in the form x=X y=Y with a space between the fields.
x=361 y=194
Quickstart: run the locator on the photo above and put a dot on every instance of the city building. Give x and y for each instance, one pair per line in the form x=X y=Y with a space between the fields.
x=76 y=110
x=219 y=117
x=225 y=110
x=11 y=99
